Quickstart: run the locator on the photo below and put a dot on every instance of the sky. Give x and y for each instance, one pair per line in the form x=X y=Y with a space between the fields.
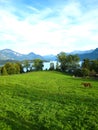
x=48 y=26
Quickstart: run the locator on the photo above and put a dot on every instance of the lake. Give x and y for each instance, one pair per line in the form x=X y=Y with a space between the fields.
x=47 y=65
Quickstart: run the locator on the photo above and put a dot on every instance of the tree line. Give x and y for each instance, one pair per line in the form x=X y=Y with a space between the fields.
x=89 y=68
x=16 y=68
x=65 y=63
x=70 y=64
x=11 y=68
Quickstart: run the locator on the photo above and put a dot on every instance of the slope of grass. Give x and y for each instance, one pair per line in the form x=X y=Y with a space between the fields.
x=47 y=101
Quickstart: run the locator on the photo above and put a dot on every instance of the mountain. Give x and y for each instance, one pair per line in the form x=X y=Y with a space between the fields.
x=50 y=57
x=54 y=58
x=91 y=55
x=81 y=52
x=32 y=55
x=8 y=54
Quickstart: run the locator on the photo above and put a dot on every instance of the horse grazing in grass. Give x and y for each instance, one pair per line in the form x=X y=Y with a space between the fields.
x=86 y=84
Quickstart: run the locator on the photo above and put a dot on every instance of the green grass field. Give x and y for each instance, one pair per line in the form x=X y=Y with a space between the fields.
x=47 y=101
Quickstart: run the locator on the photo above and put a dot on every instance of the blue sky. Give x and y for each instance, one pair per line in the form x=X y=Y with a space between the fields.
x=48 y=26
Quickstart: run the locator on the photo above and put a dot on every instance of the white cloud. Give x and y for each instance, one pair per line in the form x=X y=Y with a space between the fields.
x=50 y=30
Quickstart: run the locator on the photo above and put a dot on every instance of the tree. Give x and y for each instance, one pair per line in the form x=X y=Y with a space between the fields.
x=86 y=64
x=57 y=66
x=62 y=59
x=94 y=65
x=20 y=69
x=72 y=62
x=11 y=68
x=17 y=68
x=0 y=70
x=91 y=66
x=26 y=65
x=38 y=64
x=78 y=72
x=85 y=72
x=51 y=66
x=3 y=71
x=68 y=62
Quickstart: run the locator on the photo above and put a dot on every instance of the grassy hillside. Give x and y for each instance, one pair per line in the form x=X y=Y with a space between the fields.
x=47 y=101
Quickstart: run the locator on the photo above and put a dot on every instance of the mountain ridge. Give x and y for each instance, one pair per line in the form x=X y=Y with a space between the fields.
x=8 y=54
x=93 y=55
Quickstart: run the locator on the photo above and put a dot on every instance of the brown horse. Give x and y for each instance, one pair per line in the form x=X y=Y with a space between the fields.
x=86 y=84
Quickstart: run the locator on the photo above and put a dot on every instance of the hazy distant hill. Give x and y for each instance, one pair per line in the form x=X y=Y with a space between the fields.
x=91 y=55
x=82 y=52
x=8 y=54
x=32 y=56
x=50 y=57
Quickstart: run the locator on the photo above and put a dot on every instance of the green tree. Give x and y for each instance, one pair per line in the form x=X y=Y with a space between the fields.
x=0 y=70
x=51 y=66
x=57 y=66
x=85 y=72
x=20 y=68
x=86 y=64
x=78 y=72
x=94 y=65
x=91 y=65
x=62 y=59
x=11 y=68
x=68 y=62
x=72 y=62
x=38 y=64
x=3 y=71
x=26 y=65
x=17 y=68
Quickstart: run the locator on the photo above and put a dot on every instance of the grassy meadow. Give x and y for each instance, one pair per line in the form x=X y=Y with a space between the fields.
x=47 y=101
